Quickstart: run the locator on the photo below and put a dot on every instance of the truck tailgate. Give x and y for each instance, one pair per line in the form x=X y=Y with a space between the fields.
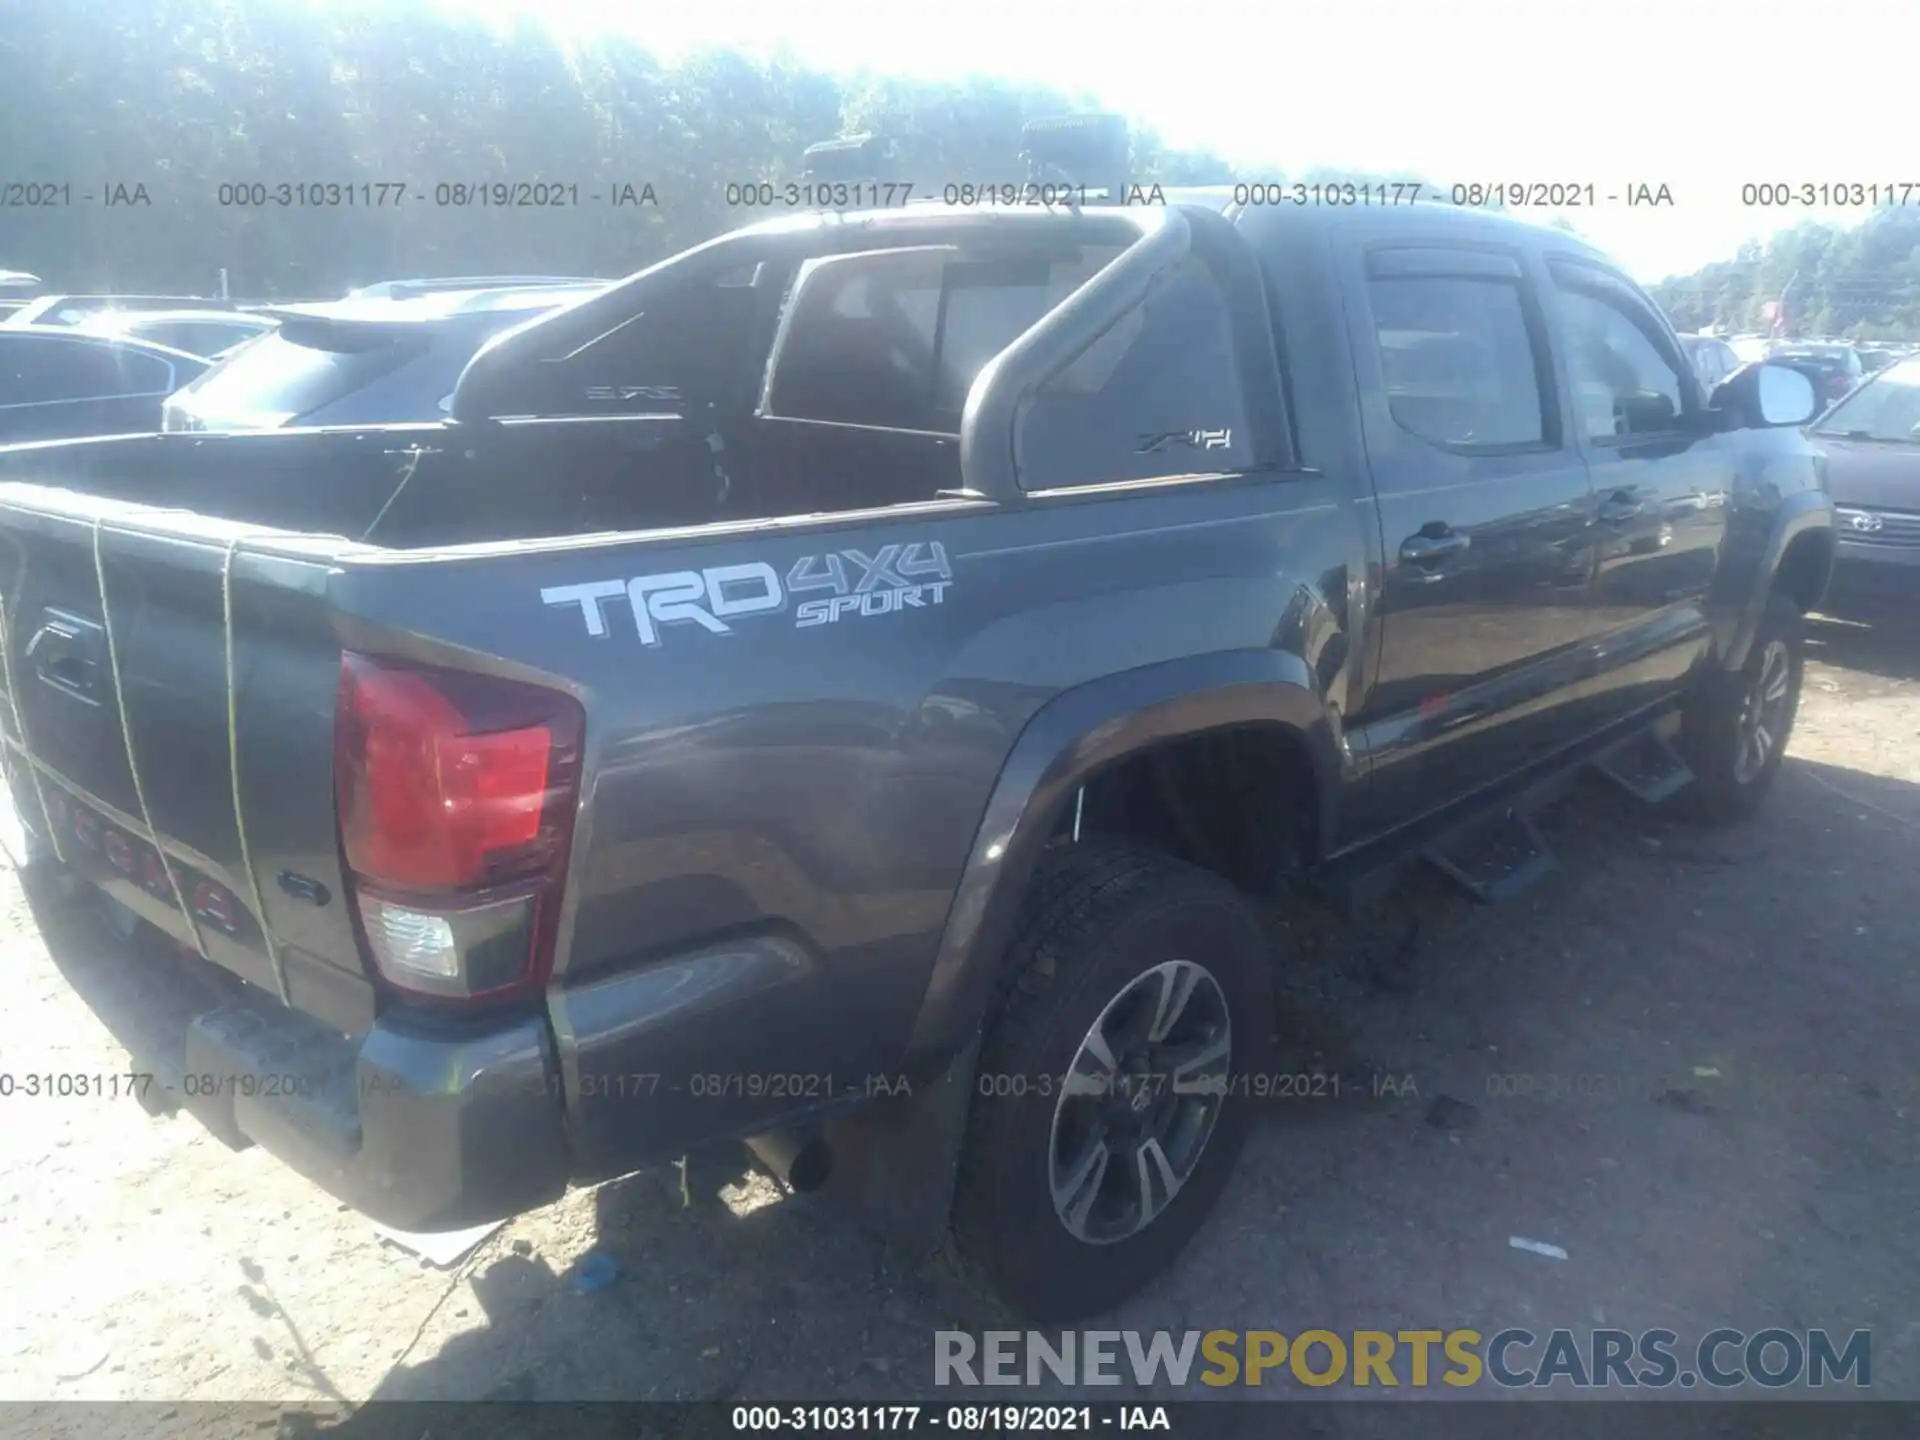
x=168 y=719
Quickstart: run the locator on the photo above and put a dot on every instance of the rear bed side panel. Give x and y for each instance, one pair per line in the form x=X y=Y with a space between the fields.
x=776 y=816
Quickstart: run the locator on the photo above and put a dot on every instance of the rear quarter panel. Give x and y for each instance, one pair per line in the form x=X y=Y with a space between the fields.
x=775 y=819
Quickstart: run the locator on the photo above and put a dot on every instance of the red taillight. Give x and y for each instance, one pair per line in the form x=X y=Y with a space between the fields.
x=450 y=781
x=456 y=795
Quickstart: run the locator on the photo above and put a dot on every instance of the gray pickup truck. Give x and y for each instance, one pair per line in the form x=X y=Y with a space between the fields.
x=850 y=687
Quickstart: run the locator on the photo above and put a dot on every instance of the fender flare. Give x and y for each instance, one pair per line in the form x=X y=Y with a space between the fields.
x=1071 y=736
x=1802 y=513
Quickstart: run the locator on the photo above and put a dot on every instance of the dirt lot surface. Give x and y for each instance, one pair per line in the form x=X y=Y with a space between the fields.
x=1688 y=1059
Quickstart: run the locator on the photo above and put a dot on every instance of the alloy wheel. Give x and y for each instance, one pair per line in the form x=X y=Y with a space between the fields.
x=1139 y=1101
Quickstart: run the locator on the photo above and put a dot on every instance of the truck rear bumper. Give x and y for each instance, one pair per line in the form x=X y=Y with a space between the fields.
x=419 y=1129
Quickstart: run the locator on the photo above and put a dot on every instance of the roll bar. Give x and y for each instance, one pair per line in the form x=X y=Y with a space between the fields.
x=1158 y=239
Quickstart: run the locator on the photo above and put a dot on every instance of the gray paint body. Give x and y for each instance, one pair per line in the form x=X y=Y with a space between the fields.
x=799 y=847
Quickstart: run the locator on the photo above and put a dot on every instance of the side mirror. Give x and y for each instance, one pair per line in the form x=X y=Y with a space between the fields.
x=1646 y=412
x=1765 y=396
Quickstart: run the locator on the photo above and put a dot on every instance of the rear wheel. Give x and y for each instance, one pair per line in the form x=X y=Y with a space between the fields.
x=1737 y=729
x=1107 y=1112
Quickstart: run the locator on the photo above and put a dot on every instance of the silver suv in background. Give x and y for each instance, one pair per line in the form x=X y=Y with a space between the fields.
x=414 y=289
x=359 y=361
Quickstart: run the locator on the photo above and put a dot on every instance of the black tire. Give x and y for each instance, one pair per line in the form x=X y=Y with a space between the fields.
x=1716 y=737
x=1098 y=918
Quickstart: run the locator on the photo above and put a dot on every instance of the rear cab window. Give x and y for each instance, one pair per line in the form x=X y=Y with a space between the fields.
x=895 y=339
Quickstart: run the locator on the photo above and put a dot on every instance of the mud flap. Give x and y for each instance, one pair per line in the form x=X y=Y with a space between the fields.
x=895 y=1161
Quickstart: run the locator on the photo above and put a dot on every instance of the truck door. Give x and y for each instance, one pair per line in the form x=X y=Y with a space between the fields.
x=1662 y=478
x=1485 y=515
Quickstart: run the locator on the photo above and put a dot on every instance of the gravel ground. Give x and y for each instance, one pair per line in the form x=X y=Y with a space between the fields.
x=143 y=1260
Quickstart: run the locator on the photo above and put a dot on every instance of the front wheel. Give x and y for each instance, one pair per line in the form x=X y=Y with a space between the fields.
x=1108 y=1109
x=1736 y=732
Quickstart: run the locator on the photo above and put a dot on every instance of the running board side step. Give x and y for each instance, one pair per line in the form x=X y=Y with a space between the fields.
x=1646 y=766
x=1493 y=859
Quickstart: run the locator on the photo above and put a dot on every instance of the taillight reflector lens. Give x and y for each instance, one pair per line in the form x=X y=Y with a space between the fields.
x=450 y=781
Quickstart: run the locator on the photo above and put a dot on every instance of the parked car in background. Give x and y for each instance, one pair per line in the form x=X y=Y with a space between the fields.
x=78 y=309
x=16 y=287
x=1872 y=440
x=61 y=382
x=1834 y=368
x=357 y=362
x=207 y=333
x=414 y=289
x=1713 y=359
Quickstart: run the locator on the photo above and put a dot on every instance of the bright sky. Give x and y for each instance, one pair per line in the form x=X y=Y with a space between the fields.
x=1701 y=97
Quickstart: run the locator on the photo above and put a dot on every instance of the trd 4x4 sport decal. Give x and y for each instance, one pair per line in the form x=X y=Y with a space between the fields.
x=892 y=579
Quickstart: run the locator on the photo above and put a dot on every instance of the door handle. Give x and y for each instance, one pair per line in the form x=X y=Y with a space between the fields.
x=1621 y=505
x=1431 y=548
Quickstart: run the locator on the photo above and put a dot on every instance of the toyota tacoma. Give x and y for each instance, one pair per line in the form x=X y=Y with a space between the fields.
x=852 y=687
